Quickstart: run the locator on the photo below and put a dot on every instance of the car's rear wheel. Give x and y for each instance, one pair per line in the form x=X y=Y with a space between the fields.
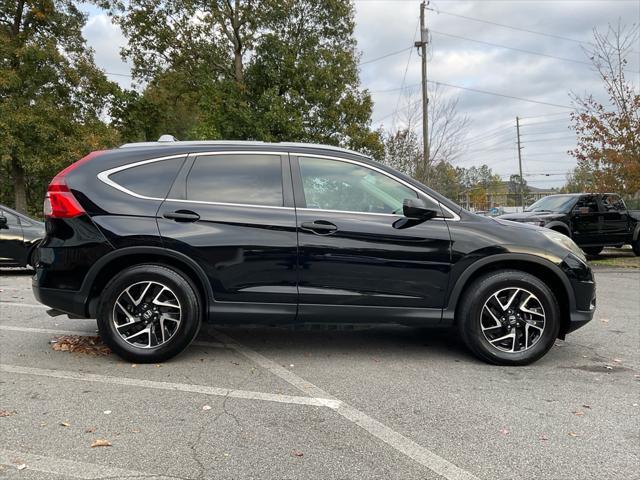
x=149 y=313
x=593 y=251
x=508 y=317
x=636 y=247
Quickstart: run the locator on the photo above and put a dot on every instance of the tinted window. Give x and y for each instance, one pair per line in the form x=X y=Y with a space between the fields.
x=11 y=218
x=587 y=204
x=613 y=203
x=335 y=185
x=151 y=179
x=249 y=179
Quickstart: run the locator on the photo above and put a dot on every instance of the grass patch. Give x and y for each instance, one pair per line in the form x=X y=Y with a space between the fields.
x=616 y=257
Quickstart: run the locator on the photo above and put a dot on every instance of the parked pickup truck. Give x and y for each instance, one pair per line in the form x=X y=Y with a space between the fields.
x=592 y=220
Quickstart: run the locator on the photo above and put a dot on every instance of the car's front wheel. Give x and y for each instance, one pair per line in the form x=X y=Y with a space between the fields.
x=508 y=317
x=149 y=313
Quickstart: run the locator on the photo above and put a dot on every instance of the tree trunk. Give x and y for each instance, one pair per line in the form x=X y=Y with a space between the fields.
x=19 y=189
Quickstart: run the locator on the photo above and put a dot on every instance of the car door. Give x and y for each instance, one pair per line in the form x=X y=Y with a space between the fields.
x=355 y=257
x=232 y=212
x=587 y=220
x=616 y=224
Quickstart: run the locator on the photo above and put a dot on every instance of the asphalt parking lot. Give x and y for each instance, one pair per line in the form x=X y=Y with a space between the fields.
x=384 y=402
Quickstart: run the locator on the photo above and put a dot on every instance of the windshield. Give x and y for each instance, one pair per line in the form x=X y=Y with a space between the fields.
x=553 y=203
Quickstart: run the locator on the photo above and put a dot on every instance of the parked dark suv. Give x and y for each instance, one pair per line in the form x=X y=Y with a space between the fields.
x=154 y=238
x=592 y=220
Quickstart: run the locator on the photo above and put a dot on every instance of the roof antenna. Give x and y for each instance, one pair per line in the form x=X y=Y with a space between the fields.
x=167 y=138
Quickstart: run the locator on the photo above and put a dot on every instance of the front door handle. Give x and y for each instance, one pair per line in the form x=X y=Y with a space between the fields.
x=182 y=216
x=321 y=227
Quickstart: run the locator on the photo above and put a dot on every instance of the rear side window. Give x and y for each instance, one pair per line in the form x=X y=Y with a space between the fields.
x=151 y=179
x=243 y=178
x=613 y=203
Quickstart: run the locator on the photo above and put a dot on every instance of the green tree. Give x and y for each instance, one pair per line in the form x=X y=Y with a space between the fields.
x=265 y=69
x=51 y=97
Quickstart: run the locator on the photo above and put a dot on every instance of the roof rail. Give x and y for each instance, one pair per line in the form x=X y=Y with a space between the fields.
x=169 y=140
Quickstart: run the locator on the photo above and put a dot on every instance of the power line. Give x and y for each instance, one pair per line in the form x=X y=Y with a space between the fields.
x=544 y=115
x=511 y=48
x=404 y=76
x=476 y=90
x=519 y=29
x=390 y=54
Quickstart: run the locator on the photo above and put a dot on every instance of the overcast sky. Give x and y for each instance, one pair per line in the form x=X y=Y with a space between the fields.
x=387 y=26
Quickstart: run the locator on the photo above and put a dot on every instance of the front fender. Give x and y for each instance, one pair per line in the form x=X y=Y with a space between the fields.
x=542 y=259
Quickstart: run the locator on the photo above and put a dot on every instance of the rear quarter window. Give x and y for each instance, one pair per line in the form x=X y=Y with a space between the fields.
x=152 y=179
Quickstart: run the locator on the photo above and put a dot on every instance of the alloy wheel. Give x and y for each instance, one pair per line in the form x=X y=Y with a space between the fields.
x=512 y=320
x=147 y=314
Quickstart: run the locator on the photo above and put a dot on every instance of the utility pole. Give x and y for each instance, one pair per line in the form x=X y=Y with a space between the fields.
x=422 y=45
x=520 y=163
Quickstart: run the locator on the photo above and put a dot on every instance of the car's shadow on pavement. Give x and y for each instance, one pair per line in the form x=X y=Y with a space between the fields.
x=354 y=341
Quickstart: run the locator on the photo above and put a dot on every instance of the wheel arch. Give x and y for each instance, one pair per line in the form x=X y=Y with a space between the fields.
x=109 y=265
x=559 y=227
x=541 y=268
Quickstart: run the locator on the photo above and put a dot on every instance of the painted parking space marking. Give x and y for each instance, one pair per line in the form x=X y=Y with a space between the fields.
x=399 y=442
x=180 y=387
x=51 y=331
x=69 y=468
x=27 y=305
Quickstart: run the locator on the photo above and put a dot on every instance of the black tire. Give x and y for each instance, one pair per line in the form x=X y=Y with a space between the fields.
x=470 y=311
x=592 y=251
x=636 y=247
x=189 y=304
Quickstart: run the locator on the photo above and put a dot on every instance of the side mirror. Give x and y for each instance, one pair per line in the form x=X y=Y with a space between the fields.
x=3 y=222
x=415 y=209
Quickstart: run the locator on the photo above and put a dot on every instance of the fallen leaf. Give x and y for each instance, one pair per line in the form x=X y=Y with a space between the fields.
x=297 y=453
x=608 y=367
x=90 y=345
x=573 y=434
x=133 y=365
x=504 y=431
x=235 y=363
x=206 y=407
x=100 y=443
x=7 y=413
x=107 y=412
x=604 y=320
x=617 y=360
x=586 y=406
x=22 y=466
x=544 y=438
x=64 y=424
x=135 y=430
x=90 y=430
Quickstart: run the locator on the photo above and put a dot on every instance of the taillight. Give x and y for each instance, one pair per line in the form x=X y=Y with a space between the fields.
x=59 y=201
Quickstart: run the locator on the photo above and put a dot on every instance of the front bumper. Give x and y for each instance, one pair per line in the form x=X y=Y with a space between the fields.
x=584 y=291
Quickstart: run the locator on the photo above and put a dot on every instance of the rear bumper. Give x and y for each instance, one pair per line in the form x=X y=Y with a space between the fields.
x=70 y=302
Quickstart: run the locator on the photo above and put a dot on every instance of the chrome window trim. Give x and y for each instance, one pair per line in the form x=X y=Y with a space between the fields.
x=455 y=216
x=104 y=177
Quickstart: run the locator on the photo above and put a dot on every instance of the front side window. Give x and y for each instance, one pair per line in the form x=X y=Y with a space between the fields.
x=242 y=178
x=11 y=218
x=343 y=186
x=587 y=204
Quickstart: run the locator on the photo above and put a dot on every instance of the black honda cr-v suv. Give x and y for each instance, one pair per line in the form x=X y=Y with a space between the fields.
x=154 y=238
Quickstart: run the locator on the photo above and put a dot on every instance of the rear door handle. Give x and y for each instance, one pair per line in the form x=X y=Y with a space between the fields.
x=182 y=216
x=320 y=226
